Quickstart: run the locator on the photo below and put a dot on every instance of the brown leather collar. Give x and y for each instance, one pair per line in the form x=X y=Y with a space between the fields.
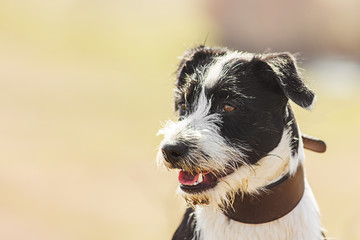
x=278 y=200
x=314 y=144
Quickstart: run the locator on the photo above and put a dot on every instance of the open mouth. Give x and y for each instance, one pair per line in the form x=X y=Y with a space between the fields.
x=199 y=182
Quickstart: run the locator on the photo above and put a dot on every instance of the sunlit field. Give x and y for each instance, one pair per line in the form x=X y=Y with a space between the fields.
x=84 y=87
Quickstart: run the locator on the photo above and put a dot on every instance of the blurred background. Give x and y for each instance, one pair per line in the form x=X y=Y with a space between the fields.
x=84 y=86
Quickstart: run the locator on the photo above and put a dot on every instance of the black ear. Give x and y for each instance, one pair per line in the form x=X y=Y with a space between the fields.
x=284 y=67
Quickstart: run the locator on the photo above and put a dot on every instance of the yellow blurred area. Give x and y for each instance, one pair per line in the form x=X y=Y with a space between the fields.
x=83 y=88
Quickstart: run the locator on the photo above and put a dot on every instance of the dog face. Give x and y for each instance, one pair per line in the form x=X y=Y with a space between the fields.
x=233 y=112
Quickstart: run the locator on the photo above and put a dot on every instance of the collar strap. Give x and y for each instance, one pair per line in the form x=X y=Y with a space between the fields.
x=276 y=201
x=314 y=144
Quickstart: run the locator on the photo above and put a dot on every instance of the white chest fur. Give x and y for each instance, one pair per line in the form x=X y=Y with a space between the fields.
x=302 y=223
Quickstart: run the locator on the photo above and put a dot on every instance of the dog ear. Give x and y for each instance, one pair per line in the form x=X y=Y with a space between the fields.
x=284 y=67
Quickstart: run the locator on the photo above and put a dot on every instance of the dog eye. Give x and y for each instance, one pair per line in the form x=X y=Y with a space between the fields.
x=228 y=108
x=182 y=106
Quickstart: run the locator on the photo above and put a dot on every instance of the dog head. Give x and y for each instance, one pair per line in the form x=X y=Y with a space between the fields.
x=236 y=131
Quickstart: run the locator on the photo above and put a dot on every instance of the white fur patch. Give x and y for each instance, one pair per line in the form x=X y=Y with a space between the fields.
x=299 y=157
x=216 y=71
x=202 y=130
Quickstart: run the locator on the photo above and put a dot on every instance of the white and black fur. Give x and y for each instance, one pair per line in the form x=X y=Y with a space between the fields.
x=246 y=149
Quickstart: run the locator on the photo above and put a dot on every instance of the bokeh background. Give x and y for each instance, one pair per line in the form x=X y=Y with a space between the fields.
x=84 y=86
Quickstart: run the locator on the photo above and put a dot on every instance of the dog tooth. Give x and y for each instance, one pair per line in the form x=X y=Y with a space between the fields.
x=200 y=179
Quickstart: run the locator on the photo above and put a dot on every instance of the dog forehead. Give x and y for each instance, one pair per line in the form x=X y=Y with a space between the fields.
x=219 y=70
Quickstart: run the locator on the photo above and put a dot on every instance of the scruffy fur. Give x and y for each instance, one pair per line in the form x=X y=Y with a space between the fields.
x=245 y=147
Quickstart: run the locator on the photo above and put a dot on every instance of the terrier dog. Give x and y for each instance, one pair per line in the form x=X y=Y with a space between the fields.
x=238 y=148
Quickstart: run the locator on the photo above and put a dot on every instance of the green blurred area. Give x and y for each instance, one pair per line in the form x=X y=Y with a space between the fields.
x=83 y=88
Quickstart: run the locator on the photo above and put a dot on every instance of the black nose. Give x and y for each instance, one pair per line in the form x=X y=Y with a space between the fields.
x=173 y=152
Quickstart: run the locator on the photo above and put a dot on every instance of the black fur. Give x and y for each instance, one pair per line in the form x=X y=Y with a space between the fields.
x=186 y=229
x=287 y=76
x=196 y=58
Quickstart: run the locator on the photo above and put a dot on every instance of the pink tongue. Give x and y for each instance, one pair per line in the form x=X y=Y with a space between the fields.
x=187 y=178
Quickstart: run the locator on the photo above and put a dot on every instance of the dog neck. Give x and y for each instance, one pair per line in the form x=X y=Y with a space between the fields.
x=277 y=200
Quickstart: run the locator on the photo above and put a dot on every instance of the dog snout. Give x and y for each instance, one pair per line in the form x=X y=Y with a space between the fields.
x=174 y=152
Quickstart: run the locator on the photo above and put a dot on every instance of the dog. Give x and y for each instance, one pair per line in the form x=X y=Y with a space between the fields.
x=238 y=148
